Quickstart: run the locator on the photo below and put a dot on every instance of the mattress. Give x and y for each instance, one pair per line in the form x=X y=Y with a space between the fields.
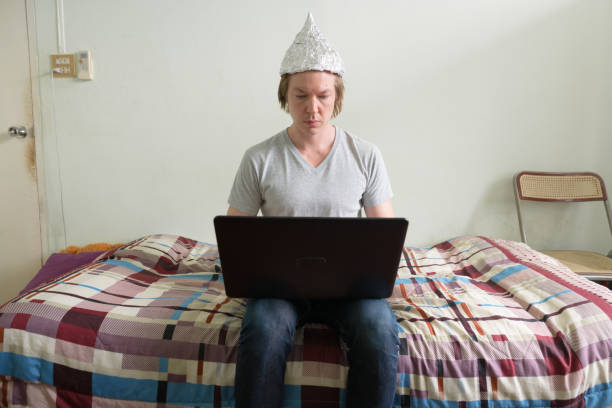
x=481 y=322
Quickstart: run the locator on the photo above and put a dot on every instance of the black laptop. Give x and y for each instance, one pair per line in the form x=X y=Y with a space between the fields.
x=309 y=257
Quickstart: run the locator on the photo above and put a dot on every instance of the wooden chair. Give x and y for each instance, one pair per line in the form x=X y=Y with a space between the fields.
x=568 y=188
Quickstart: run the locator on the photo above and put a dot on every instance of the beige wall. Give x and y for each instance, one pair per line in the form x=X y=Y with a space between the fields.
x=458 y=95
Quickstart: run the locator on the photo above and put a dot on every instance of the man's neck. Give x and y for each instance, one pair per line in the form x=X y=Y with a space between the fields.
x=322 y=140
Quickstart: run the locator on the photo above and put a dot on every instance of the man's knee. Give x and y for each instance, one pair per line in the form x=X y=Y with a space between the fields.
x=268 y=321
x=373 y=325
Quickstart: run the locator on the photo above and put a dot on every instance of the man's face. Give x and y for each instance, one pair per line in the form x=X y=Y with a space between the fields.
x=311 y=96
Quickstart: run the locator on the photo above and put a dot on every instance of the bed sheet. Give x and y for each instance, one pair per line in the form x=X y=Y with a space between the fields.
x=482 y=322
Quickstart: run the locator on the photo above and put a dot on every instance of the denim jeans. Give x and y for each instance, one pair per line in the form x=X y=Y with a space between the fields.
x=367 y=326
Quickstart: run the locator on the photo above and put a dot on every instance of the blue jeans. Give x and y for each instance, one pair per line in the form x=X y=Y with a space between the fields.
x=367 y=326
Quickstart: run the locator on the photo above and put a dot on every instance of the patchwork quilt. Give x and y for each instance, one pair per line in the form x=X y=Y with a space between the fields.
x=482 y=323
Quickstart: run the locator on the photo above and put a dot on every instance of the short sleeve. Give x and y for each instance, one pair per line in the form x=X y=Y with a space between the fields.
x=378 y=188
x=245 y=195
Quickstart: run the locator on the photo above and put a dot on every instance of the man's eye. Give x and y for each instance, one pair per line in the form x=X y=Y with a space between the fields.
x=300 y=96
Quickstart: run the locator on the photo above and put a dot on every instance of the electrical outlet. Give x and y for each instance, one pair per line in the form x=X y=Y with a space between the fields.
x=63 y=65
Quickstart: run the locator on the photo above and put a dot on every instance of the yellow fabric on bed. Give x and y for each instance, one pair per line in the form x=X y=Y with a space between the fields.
x=98 y=246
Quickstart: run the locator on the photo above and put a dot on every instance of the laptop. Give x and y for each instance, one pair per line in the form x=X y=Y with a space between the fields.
x=309 y=257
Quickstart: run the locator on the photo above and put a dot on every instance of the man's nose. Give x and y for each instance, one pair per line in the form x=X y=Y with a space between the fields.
x=312 y=104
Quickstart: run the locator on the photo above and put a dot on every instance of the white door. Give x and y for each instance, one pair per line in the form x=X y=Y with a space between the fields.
x=20 y=237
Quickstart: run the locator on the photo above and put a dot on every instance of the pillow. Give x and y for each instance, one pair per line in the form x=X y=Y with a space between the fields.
x=168 y=254
x=58 y=264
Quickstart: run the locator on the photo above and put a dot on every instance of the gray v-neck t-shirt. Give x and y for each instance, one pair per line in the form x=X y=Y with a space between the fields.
x=275 y=178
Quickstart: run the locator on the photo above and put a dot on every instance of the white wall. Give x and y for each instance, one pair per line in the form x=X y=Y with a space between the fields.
x=458 y=95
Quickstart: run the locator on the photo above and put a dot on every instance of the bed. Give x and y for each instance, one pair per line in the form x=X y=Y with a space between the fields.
x=482 y=322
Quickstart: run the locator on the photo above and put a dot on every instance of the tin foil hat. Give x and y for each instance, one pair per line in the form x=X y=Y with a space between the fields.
x=311 y=51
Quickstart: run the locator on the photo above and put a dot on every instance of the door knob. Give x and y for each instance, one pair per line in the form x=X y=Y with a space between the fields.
x=18 y=131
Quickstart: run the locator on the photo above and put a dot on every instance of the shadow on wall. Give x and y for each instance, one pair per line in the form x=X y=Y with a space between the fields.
x=494 y=210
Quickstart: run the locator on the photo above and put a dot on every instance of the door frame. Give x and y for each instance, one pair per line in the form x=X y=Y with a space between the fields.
x=37 y=131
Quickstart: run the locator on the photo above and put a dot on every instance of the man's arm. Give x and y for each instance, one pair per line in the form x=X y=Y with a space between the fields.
x=232 y=211
x=384 y=210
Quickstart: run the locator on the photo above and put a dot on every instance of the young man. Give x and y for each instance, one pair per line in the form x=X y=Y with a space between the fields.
x=314 y=168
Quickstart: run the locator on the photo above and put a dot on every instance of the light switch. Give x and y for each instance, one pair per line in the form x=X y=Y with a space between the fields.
x=63 y=66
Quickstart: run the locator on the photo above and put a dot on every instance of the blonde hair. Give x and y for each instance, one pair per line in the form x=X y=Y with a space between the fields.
x=283 y=87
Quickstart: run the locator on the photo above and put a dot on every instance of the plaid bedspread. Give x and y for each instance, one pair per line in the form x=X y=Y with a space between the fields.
x=483 y=323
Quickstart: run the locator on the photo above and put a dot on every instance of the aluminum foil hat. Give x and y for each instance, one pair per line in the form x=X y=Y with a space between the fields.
x=311 y=51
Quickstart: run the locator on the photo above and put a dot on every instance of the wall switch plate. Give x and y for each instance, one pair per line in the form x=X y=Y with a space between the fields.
x=85 y=65
x=63 y=65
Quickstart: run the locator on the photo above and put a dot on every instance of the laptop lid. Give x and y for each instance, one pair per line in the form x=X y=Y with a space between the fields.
x=309 y=257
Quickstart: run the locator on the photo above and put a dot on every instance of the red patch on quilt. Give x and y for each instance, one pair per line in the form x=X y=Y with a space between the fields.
x=507 y=368
x=73 y=387
x=80 y=326
x=145 y=276
x=318 y=397
x=166 y=266
x=69 y=399
x=186 y=242
x=499 y=337
x=558 y=354
x=71 y=379
x=4 y=391
x=444 y=246
x=20 y=321
x=321 y=345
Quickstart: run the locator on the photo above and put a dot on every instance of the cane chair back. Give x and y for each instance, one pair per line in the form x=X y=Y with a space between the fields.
x=568 y=188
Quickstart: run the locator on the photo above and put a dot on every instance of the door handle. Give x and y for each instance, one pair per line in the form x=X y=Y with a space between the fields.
x=18 y=131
